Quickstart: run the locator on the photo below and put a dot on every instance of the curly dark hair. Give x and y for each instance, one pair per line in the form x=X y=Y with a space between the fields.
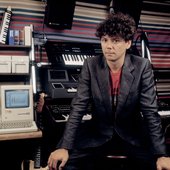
x=117 y=24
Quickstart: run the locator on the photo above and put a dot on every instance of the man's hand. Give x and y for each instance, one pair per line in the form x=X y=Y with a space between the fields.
x=58 y=159
x=163 y=163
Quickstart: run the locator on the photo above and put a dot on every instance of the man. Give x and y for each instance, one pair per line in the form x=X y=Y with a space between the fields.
x=120 y=87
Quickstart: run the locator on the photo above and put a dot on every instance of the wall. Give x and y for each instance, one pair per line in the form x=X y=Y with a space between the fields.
x=155 y=21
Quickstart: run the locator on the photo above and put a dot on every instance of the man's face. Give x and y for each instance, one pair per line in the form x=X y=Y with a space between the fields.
x=114 y=48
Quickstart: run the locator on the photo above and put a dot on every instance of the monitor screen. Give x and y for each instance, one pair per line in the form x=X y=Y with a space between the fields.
x=57 y=75
x=16 y=103
x=17 y=98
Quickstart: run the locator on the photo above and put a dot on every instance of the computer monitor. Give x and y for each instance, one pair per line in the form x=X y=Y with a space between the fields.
x=16 y=103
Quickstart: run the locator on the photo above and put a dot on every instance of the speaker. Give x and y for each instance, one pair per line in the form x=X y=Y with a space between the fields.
x=59 y=15
x=132 y=8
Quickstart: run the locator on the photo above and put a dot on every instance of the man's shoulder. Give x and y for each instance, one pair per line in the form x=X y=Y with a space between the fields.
x=137 y=58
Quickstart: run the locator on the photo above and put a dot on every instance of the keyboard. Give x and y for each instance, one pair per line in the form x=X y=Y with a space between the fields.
x=20 y=130
x=60 y=112
x=76 y=60
x=164 y=113
x=5 y=25
x=71 y=54
x=64 y=118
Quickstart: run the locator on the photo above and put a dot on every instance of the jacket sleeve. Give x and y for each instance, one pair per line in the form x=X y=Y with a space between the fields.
x=78 y=108
x=148 y=104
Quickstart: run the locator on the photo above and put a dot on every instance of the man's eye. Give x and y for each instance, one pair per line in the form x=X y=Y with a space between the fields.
x=104 y=40
x=116 y=40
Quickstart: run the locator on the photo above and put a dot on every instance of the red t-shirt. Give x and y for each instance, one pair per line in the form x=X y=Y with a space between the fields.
x=115 y=85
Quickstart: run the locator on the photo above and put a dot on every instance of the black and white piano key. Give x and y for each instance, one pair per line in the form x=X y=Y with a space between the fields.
x=5 y=25
x=74 y=59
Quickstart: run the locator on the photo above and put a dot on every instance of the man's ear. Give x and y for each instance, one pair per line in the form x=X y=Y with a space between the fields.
x=128 y=44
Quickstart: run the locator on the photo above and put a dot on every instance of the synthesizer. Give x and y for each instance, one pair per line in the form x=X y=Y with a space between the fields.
x=60 y=77
x=70 y=54
x=59 y=109
x=5 y=25
x=59 y=83
x=60 y=113
x=164 y=113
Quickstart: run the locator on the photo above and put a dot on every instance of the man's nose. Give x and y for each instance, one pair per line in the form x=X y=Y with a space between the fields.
x=109 y=45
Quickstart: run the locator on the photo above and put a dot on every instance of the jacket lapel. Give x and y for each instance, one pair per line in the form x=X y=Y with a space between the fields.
x=103 y=79
x=126 y=82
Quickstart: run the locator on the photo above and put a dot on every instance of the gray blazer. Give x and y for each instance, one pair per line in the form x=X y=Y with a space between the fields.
x=136 y=119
